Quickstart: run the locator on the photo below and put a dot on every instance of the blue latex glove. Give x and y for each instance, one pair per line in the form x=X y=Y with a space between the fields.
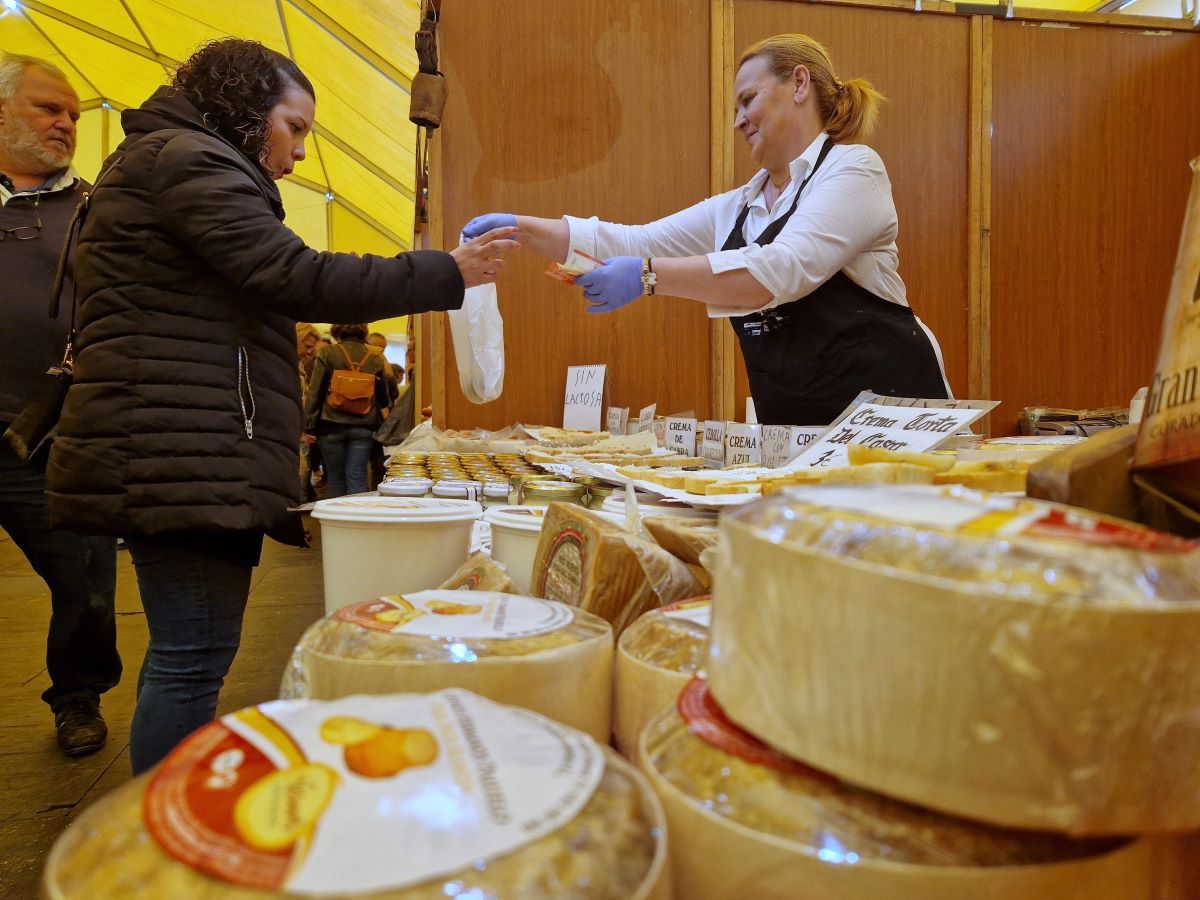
x=616 y=283
x=483 y=224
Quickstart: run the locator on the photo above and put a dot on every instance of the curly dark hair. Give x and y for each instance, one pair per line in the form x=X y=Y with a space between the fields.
x=356 y=333
x=235 y=84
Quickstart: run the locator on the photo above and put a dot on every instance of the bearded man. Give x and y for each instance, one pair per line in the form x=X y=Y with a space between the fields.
x=38 y=194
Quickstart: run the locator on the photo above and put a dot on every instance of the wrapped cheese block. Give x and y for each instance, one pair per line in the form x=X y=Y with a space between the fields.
x=404 y=797
x=587 y=561
x=682 y=538
x=656 y=657
x=523 y=651
x=746 y=821
x=1005 y=659
x=481 y=573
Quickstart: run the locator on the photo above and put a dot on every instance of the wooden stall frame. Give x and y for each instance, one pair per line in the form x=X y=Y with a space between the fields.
x=721 y=160
x=431 y=329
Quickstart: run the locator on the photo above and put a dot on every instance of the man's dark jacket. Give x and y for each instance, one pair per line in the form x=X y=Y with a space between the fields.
x=185 y=411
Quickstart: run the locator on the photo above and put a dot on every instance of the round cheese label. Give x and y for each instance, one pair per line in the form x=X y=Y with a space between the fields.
x=365 y=793
x=478 y=615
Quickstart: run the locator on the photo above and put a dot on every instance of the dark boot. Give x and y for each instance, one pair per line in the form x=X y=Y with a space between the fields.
x=81 y=729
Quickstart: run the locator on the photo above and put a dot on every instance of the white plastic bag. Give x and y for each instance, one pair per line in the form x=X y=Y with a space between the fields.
x=478 y=334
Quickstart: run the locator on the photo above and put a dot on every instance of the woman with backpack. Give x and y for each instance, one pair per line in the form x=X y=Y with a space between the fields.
x=347 y=392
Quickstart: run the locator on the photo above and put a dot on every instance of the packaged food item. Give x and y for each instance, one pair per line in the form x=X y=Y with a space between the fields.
x=516 y=531
x=1168 y=445
x=523 y=651
x=681 y=538
x=481 y=573
x=995 y=657
x=584 y=560
x=406 y=797
x=385 y=545
x=656 y=657
x=746 y=821
x=1000 y=476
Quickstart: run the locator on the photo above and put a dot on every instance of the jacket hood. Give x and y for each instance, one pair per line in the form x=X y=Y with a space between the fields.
x=167 y=109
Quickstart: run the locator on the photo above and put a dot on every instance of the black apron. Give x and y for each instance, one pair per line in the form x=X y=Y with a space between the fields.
x=809 y=358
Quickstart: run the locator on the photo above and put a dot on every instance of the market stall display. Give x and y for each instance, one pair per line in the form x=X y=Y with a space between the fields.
x=404 y=797
x=1010 y=660
x=746 y=821
x=537 y=654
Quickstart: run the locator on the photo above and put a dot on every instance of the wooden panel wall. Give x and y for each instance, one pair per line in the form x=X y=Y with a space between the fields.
x=1093 y=130
x=921 y=62
x=585 y=107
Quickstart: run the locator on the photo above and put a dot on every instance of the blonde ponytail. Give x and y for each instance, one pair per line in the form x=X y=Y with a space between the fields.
x=849 y=109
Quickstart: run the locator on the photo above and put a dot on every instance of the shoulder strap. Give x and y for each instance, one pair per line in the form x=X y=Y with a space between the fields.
x=356 y=366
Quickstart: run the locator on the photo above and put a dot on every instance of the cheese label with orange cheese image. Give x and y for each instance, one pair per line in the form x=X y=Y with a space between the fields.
x=313 y=798
x=467 y=615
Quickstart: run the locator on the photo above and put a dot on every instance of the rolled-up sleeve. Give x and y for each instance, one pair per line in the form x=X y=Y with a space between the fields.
x=843 y=215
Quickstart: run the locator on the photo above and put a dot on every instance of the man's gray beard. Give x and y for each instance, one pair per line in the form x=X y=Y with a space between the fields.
x=21 y=144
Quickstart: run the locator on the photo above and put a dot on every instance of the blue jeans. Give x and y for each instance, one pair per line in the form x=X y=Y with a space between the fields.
x=81 y=572
x=346 y=453
x=194 y=589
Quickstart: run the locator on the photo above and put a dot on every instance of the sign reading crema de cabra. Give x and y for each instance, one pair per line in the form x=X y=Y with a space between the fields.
x=1168 y=445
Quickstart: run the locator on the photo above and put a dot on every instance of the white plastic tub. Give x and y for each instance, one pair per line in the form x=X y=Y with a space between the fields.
x=375 y=546
x=515 y=534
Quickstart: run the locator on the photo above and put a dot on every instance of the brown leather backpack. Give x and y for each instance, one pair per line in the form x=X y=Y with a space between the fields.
x=351 y=391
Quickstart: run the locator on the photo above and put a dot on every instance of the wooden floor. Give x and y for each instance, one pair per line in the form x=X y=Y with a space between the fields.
x=42 y=791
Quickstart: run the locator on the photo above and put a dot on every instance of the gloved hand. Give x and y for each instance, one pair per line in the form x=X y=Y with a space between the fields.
x=616 y=283
x=485 y=223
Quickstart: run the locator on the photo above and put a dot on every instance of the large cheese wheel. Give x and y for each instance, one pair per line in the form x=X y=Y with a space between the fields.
x=656 y=657
x=563 y=669
x=1013 y=661
x=121 y=848
x=585 y=560
x=747 y=822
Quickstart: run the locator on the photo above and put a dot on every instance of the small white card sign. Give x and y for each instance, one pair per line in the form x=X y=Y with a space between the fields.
x=618 y=420
x=681 y=435
x=584 y=398
x=713 y=448
x=889 y=423
x=783 y=443
x=660 y=431
x=645 y=420
x=743 y=444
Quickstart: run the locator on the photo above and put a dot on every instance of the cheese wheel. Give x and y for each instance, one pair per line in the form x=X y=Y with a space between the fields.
x=747 y=822
x=614 y=847
x=1005 y=659
x=545 y=656
x=656 y=657
x=585 y=560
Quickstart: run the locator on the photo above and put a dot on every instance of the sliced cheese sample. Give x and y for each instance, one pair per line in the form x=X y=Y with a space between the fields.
x=481 y=573
x=393 y=798
x=523 y=651
x=682 y=538
x=1005 y=659
x=748 y=822
x=585 y=560
x=656 y=657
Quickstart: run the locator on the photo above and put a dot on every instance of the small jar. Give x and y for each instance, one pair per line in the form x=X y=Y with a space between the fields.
x=456 y=490
x=598 y=493
x=543 y=493
x=516 y=484
x=405 y=487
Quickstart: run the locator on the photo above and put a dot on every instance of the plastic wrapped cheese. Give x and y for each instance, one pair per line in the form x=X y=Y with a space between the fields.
x=683 y=538
x=393 y=798
x=1005 y=659
x=656 y=657
x=746 y=821
x=523 y=651
x=481 y=573
x=585 y=560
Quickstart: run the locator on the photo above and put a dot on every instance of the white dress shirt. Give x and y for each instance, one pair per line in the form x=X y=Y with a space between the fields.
x=845 y=221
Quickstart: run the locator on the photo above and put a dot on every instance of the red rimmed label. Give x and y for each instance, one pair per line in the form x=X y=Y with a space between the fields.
x=707 y=721
x=561 y=577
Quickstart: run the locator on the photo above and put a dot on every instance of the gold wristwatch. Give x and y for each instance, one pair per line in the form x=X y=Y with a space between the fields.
x=649 y=279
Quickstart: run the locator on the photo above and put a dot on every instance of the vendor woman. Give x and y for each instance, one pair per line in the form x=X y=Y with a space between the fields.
x=802 y=258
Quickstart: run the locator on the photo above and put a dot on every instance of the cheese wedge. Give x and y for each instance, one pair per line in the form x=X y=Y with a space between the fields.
x=860 y=454
x=683 y=538
x=988 y=475
x=881 y=473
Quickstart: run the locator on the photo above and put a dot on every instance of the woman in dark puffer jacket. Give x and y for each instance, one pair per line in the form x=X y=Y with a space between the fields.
x=181 y=430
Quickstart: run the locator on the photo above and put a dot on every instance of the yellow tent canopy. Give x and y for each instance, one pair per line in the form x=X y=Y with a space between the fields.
x=354 y=192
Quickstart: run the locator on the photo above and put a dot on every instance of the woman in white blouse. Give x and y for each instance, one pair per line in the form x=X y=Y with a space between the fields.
x=802 y=257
